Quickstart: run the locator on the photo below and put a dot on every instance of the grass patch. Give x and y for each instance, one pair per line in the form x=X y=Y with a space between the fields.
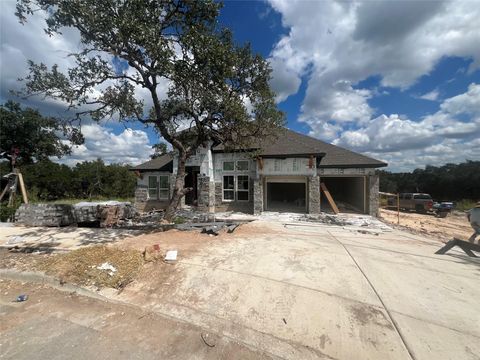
x=464 y=204
x=179 y=220
x=80 y=266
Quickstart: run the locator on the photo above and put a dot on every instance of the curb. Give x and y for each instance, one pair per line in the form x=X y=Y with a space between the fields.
x=41 y=278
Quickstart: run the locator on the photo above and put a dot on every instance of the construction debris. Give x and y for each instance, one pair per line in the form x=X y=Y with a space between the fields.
x=111 y=270
x=171 y=255
x=21 y=298
x=152 y=253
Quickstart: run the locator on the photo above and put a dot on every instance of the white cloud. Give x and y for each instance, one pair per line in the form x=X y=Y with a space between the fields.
x=436 y=139
x=333 y=46
x=331 y=41
x=432 y=95
x=128 y=147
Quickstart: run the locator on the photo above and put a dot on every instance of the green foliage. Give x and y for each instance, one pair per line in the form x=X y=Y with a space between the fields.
x=91 y=180
x=218 y=89
x=35 y=136
x=6 y=213
x=464 y=204
x=179 y=220
x=160 y=149
x=448 y=182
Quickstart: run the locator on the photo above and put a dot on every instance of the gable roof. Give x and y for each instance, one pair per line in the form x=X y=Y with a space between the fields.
x=161 y=163
x=289 y=142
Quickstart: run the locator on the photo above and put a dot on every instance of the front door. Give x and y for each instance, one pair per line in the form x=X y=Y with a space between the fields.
x=191 y=181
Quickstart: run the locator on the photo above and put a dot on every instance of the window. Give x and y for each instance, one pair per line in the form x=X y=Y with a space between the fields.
x=242 y=187
x=296 y=166
x=422 y=197
x=152 y=187
x=276 y=165
x=228 y=187
x=228 y=165
x=164 y=187
x=242 y=165
x=159 y=187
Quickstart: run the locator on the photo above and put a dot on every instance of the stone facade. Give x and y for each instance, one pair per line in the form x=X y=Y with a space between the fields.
x=240 y=206
x=45 y=215
x=206 y=194
x=258 y=196
x=141 y=197
x=373 y=195
x=314 y=195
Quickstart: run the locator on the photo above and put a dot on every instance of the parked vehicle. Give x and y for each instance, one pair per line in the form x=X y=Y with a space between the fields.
x=419 y=202
x=442 y=208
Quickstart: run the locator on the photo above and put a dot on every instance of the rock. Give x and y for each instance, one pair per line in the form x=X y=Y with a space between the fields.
x=152 y=253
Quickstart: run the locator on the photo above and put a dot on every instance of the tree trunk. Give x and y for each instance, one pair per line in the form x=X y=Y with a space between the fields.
x=178 y=190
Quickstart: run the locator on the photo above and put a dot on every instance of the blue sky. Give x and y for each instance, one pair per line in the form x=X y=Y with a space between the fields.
x=398 y=81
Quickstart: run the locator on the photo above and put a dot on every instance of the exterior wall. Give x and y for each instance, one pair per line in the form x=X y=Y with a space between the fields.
x=348 y=171
x=288 y=166
x=220 y=204
x=142 y=200
x=238 y=206
x=314 y=195
x=373 y=195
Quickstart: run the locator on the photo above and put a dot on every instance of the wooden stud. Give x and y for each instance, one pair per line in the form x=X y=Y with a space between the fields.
x=22 y=188
x=329 y=198
x=260 y=163
x=4 y=192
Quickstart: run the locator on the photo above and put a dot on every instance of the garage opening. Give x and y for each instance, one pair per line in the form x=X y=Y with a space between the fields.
x=347 y=192
x=286 y=197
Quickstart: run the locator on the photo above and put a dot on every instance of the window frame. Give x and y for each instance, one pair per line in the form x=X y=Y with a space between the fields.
x=247 y=190
x=160 y=189
x=229 y=190
x=228 y=161
x=243 y=161
x=152 y=188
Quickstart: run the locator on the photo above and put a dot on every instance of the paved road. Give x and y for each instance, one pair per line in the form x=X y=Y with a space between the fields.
x=299 y=291
x=313 y=291
x=57 y=325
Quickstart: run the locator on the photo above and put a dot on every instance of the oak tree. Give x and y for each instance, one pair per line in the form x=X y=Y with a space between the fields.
x=201 y=86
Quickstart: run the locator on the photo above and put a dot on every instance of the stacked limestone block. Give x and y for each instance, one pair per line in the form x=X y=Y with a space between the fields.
x=45 y=215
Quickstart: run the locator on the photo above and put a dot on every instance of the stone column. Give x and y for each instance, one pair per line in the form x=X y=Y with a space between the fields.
x=206 y=194
x=314 y=194
x=141 y=197
x=373 y=195
x=258 y=196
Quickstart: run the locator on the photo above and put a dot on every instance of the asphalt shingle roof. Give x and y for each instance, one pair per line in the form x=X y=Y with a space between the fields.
x=288 y=143
x=158 y=163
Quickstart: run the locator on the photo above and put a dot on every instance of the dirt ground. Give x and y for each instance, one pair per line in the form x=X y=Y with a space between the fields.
x=443 y=229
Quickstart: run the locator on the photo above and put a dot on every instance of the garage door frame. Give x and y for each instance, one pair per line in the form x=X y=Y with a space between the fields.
x=285 y=179
x=351 y=176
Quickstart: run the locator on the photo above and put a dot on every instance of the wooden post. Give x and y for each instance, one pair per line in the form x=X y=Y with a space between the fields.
x=22 y=188
x=4 y=191
x=329 y=198
x=13 y=192
x=260 y=163
x=398 y=209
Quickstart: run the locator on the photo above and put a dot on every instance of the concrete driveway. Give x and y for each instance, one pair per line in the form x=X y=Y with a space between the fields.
x=305 y=291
